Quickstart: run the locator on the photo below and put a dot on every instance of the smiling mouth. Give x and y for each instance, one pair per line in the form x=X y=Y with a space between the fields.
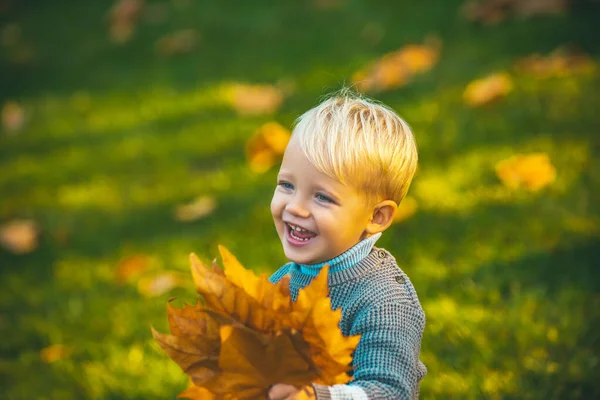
x=298 y=237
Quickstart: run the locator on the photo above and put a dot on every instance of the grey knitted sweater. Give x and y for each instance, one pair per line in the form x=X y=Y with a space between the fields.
x=379 y=303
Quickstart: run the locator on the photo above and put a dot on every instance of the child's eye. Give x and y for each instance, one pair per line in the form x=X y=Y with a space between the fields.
x=324 y=198
x=286 y=185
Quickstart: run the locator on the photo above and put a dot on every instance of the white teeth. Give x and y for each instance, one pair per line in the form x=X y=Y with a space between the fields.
x=297 y=228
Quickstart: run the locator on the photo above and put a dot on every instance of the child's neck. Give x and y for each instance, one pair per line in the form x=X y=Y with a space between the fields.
x=347 y=259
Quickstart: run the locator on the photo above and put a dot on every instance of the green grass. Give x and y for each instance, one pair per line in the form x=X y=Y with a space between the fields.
x=117 y=137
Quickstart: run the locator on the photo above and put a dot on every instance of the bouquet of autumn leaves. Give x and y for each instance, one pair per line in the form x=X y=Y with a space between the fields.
x=247 y=334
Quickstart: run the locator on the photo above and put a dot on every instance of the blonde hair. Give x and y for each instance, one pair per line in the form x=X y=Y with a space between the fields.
x=361 y=143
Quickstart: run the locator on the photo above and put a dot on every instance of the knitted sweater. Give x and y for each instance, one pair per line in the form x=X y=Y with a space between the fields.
x=379 y=303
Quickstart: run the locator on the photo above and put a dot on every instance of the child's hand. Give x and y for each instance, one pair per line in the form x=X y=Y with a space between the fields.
x=283 y=391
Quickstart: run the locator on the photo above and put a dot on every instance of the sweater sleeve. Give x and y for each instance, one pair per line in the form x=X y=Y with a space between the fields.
x=386 y=362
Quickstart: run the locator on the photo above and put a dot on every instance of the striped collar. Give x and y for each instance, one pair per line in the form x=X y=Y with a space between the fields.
x=345 y=260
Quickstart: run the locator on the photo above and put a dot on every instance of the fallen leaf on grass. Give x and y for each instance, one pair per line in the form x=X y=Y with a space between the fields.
x=19 y=236
x=407 y=208
x=396 y=69
x=491 y=12
x=486 y=90
x=121 y=31
x=526 y=171
x=529 y=8
x=54 y=353
x=130 y=267
x=198 y=208
x=266 y=146
x=159 y=284
x=560 y=62
x=13 y=116
x=248 y=334
x=256 y=99
x=179 y=42
x=123 y=17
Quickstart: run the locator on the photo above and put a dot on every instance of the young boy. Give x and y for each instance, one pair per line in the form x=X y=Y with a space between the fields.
x=347 y=166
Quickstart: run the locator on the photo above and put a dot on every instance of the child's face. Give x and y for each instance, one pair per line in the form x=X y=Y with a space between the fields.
x=335 y=214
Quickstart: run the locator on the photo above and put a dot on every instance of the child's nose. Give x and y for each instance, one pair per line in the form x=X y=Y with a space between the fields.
x=297 y=210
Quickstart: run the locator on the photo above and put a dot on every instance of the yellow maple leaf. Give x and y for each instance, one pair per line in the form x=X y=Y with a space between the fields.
x=54 y=353
x=395 y=69
x=20 y=236
x=157 y=284
x=12 y=116
x=266 y=146
x=526 y=171
x=198 y=392
x=130 y=267
x=198 y=208
x=488 y=89
x=248 y=334
x=249 y=99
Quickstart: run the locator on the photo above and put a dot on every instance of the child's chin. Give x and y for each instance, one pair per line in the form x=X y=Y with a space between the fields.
x=294 y=256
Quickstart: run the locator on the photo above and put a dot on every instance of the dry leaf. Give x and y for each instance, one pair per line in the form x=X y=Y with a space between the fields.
x=179 y=42
x=159 y=284
x=248 y=334
x=396 y=69
x=13 y=116
x=199 y=208
x=528 y=8
x=123 y=17
x=121 y=31
x=198 y=392
x=54 y=353
x=486 y=90
x=19 y=236
x=526 y=171
x=491 y=12
x=407 y=208
x=266 y=146
x=256 y=99
x=560 y=62
x=128 y=10
x=131 y=267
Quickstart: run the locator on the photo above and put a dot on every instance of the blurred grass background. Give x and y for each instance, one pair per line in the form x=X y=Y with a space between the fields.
x=115 y=137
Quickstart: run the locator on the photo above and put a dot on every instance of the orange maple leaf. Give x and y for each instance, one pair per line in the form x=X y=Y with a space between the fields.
x=528 y=171
x=266 y=146
x=397 y=68
x=248 y=334
x=488 y=89
x=248 y=99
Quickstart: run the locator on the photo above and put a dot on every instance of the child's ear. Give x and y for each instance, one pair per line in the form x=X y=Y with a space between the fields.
x=383 y=216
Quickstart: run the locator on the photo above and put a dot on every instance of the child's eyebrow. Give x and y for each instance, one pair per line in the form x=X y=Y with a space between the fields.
x=283 y=175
